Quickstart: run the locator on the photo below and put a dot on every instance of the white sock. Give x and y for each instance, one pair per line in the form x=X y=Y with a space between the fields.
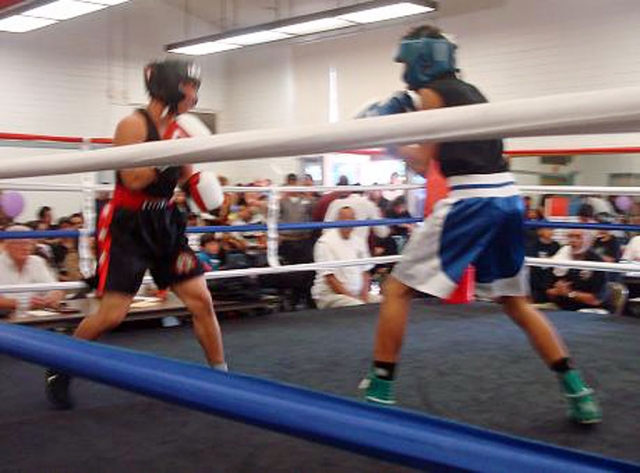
x=221 y=367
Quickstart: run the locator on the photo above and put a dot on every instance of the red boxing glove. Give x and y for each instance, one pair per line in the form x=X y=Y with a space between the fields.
x=204 y=191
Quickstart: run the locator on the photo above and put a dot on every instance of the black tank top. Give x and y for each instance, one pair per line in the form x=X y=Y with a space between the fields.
x=164 y=186
x=466 y=157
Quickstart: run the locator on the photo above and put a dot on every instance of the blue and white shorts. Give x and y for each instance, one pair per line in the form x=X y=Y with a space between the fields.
x=480 y=223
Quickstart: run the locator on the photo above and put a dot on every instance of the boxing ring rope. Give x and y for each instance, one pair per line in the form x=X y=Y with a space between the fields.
x=616 y=110
x=395 y=435
x=578 y=190
x=391 y=434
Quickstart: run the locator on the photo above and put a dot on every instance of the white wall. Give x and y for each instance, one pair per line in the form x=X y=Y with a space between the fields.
x=80 y=77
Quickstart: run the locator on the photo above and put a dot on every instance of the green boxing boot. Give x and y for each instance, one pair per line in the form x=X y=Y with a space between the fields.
x=583 y=408
x=377 y=390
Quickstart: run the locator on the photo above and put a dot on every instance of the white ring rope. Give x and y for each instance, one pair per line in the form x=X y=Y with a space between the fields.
x=54 y=187
x=579 y=190
x=229 y=273
x=51 y=187
x=232 y=273
x=604 y=111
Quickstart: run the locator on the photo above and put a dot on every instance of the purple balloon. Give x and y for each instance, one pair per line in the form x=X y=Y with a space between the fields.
x=624 y=203
x=12 y=203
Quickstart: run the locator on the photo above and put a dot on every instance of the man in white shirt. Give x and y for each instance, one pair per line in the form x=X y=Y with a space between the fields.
x=632 y=250
x=364 y=209
x=346 y=286
x=18 y=265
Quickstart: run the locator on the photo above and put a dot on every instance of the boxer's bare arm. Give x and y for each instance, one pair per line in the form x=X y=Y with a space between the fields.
x=132 y=130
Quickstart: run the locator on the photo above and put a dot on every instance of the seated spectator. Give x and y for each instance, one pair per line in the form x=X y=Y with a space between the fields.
x=209 y=254
x=606 y=246
x=193 y=238
x=363 y=209
x=346 y=286
x=576 y=289
x=18 y=265
x=632 y=250
x=65 y=251
x=254 y=240
x=399 y=233
x=542 y=278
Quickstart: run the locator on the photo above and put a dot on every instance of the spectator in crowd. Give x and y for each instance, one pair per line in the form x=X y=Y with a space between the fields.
x=45 y=218
x=320 y=208
x=76 y=220
x=375 y=196
x=65 y=251
x=296 y=247
x=576 y=289
x=193 y=220
x=600 y=205
x=347 y=286
x=531 y=234
x=606 y=245
x=364 y=209
x=210 y=252
x=18 y=265
x=398 y=209
x=632 y=250
x=180 y=200
x=392 y=194
x=586 y=213
x=311 y=196
x=249 y=215
x=541 y=278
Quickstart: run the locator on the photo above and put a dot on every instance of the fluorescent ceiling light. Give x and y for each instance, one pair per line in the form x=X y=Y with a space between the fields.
x=64 y=9
x=205 y=48
x=22 y=24
x=328 y=20
x=314 y=26
x=388 y=12
x=255 y=38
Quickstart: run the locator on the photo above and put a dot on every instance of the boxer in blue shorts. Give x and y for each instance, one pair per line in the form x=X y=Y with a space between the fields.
x=481 y=222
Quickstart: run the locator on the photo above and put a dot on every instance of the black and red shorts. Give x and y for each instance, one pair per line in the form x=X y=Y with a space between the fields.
x=152 y=237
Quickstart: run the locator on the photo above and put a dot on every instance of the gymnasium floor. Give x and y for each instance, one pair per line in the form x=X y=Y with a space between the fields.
x=466 y=363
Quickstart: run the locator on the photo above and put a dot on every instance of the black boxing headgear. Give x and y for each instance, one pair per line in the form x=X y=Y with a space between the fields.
x=164 y=80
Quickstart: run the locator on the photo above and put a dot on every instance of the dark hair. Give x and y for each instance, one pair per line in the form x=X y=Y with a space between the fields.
x=43 y=210
x=343 y=180
x=399 y=201
x=346 y=207
x=585 y=210
x=292 y=177
x=424 y=31
x=207 y=238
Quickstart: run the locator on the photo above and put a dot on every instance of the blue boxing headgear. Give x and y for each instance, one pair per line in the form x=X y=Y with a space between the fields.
x=426 y=59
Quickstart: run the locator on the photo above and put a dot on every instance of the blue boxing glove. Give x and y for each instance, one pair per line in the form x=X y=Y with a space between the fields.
x=400 y=102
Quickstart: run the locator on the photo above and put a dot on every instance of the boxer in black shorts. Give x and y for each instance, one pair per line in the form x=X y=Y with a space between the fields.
x=141 y=229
